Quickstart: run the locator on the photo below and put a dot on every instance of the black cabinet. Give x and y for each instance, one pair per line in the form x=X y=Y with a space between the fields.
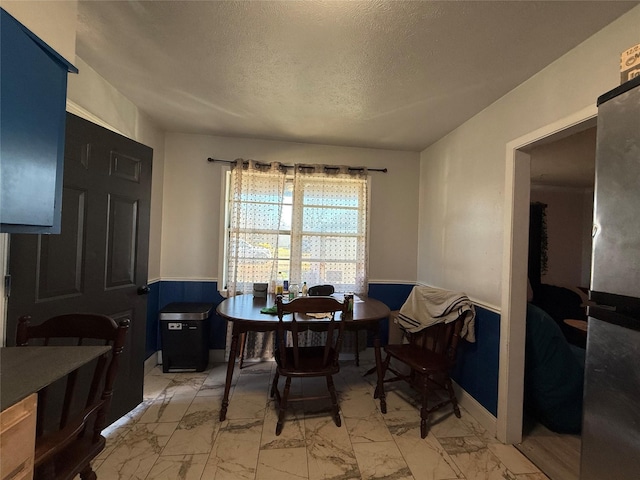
x=33 y=91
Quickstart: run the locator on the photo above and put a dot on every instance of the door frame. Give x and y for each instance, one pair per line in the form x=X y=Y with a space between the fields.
x=4 y=265
x=514 y=267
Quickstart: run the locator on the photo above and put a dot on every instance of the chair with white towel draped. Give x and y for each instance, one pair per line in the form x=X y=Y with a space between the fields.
x=433 y=321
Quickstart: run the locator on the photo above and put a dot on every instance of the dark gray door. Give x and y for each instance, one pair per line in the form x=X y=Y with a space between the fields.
x=98 y=263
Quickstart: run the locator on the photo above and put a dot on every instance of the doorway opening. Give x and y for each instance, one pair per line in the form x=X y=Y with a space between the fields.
x=562 y=176
x=533 y=162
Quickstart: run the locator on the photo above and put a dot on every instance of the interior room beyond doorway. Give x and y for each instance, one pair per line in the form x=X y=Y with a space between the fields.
x=561 y=175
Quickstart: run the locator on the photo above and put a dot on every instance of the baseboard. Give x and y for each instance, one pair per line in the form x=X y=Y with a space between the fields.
x=150 y=363
x=477 y=411
x=216 y=355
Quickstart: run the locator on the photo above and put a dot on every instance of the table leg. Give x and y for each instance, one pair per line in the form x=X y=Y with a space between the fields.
x=380 y=388
x=230 y=366
x=243 y=341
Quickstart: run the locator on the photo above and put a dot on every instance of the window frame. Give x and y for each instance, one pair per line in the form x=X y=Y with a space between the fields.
x=225 y=229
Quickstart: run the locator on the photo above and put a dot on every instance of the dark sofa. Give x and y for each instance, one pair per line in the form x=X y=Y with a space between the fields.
x=554 y=372
x=562 y=303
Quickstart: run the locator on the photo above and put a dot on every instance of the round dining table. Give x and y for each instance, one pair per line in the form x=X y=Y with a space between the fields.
x=244 y=313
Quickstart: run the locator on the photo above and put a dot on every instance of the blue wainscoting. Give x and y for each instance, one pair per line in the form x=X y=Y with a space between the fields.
x=152 y=344
x=477 y=366
x=476 y=371
x=393 y=295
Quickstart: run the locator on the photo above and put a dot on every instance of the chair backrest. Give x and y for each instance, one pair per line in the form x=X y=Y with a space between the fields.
x=300 y=321
x=77 y=329
x=440 y=338
x=321 y=290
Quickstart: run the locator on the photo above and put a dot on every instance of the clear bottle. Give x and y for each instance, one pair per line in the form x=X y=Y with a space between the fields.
x=305 y=289
x=279 y=284
x=348 y=297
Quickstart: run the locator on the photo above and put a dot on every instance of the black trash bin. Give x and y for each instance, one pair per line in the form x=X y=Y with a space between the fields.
x=184 y=333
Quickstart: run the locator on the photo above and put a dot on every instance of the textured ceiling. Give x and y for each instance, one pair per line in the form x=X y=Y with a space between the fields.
x=382 y=74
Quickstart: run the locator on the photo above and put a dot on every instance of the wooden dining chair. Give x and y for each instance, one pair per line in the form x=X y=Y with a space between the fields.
x=316 y=290
x=321 y=290
x=426 y=362
x=296 y=361
x=326 y=290
x=69 y=438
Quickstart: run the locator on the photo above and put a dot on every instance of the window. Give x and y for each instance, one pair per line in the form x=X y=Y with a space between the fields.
x=306 y=225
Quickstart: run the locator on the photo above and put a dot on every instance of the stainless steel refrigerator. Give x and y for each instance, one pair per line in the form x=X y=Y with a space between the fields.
x=611 y=409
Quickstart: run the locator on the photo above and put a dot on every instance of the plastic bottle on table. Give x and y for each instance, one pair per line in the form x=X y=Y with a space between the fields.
x=279 y=284
x=305 y=289
x=293 y=291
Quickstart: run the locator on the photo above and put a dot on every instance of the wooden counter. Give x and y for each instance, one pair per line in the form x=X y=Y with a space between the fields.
x=25 y=370
x=17 y=439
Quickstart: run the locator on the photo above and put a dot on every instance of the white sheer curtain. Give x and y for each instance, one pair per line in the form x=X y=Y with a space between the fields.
x=329 y=233
x=255 y=213
x=330 y=226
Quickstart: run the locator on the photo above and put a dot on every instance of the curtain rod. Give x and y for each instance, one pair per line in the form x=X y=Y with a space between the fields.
x=383 y=170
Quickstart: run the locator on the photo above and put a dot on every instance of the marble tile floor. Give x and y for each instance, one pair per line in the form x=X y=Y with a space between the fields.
x=176 y=434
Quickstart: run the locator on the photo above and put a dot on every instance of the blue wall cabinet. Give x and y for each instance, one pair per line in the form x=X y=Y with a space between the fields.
x=33 y=91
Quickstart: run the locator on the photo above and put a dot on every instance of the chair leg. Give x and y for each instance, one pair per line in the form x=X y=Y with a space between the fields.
x=274 y=385
x=357 y=347
x=46 y=471
x=424 y=411
x=283 y=406
x=385 y=366
x=243 y=341
x=334 y=401
x=88 y=474
x=452 y=398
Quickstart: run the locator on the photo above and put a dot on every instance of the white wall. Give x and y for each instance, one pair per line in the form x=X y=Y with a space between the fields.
x=477 y=175
x=192 y=195
x=53 y=22
x=462 y=176
x=569 y=216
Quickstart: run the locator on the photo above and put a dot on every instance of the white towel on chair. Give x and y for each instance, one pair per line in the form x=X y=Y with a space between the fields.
x=426 y=306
